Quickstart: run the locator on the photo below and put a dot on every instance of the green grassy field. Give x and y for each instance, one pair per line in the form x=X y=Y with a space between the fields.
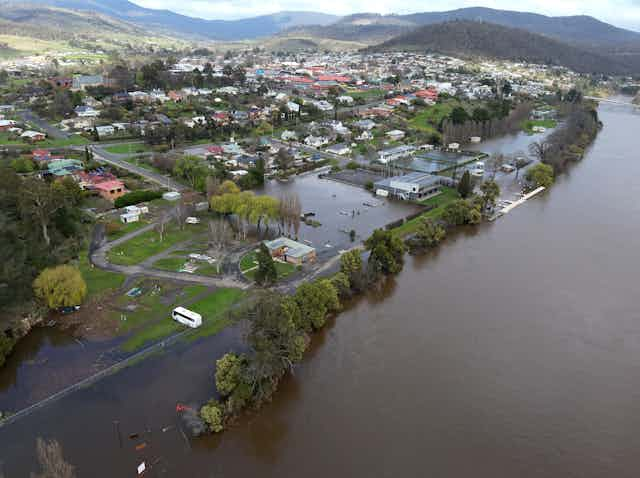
x=149 y=244
x=125 y=229
x=74 y=140
x=429 y=119
x=98 y=280
x=213 y=309
x=367 y=95
x=248 y=267
x=172 y=264
x=440 y=202
x=128 y=148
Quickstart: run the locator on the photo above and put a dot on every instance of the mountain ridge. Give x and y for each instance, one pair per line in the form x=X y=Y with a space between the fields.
x=484 y=39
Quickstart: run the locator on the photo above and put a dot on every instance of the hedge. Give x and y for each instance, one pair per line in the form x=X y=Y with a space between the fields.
x=136 y=197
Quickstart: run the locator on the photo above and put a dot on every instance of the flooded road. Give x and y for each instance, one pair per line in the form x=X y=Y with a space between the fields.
x=513 y=350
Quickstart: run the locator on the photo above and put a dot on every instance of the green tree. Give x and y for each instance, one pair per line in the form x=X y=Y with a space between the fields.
x=229 y=370
x=459 y=115
x=490 y=194
x=213 y=415
x=540 y=175
x=461 y=212
x=481 y=115
x=266 y=272
x=193 y=170
x=61 y=286
x=465 y=186
x=351 y=263
x=387 y=252
x=316 y=300
x=342 y=284
x=276 y=340
x=429 y=234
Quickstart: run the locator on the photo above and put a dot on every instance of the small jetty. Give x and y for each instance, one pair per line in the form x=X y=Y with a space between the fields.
x=510 y=207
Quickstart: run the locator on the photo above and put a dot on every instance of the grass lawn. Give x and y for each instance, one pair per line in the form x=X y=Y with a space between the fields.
x=74 y=140
x=125 y=229
x=249 y=262
x=368 y=95
x=446 y=196
x=213 y=309
x=441 y=201
x=172 y=264
x=98 y=280
x=149 y=244
x=210 y=270
x=528 y=125
x=429 y=118
x=128 y=148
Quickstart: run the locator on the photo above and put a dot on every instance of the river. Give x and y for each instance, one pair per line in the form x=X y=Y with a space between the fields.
x=513 y=350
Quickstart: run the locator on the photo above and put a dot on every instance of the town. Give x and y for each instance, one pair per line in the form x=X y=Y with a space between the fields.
x=171 y=193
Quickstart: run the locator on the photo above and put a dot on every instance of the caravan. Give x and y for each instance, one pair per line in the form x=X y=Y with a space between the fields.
x=187 y=317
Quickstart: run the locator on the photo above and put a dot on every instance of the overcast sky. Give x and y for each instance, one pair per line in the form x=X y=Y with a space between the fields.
x=624 y=13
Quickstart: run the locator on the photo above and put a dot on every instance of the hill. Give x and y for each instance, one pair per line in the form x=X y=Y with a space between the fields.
x=474 y=38
x=582 y=31
x=28 y=30
x=168 y=22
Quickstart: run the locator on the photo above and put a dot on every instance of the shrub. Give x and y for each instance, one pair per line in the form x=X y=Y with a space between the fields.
x=6 y=346
x=61 y=286
x=136 y=197
x=213 y=416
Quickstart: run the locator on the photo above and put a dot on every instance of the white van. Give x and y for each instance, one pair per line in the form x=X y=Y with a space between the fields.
x=187 y=317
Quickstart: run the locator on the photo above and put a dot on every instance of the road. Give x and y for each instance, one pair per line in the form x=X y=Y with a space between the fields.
x=53 y=132
x=101 y=154
x=98 y=257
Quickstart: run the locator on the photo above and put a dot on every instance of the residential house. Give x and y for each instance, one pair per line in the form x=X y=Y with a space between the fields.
x=86 y=112
x=110 y=190
x=340 y=149
x=33 y=136
x=6 y=124
x=396 y=135
x=104 y=131
x=81 y=82
x=316 y=141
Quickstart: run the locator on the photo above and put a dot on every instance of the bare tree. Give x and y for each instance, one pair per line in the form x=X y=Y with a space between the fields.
x=51 y=460
x=494 y=164
x=540 y=149
x=161 y=225
x=213 y=186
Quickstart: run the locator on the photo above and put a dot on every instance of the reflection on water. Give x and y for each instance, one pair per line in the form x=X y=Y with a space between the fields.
x=511 y=351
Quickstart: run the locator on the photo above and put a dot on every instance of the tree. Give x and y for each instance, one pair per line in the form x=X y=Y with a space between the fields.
x=490 y=194
x=51 y=460
x=40 y=201
x=460 y=212
x=276 y=340
x=229 y=370
x=316 y=300
x=520 y=163
x=429 y=234
x=61 y=286
x=351 y=264
x=228 y=187
x=213 y=415
x=540 y=175
x=480 y=115
x=540 y=149
x=266 y=272
x=342 y=284
x=283 y=160
x=387 y=252
x=465 y=186
x=192 y=169
x=459 y=115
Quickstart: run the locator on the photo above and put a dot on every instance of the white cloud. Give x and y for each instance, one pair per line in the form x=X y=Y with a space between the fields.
x=624 y=13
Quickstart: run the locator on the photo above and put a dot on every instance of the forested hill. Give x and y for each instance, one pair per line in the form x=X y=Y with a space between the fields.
x=473 y=38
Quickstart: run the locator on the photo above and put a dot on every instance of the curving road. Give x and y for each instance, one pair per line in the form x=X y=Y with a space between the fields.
x=98 y=257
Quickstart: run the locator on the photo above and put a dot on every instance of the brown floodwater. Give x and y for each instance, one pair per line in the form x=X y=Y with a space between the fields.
x=513 y=350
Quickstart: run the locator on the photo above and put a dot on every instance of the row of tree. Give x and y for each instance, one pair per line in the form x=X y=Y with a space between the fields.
x=280 y=328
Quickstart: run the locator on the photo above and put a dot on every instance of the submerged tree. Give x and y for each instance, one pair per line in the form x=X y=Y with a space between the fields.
x=51 y=460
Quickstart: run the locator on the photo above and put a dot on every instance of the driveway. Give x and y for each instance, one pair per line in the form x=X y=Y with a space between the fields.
x=52 y=132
